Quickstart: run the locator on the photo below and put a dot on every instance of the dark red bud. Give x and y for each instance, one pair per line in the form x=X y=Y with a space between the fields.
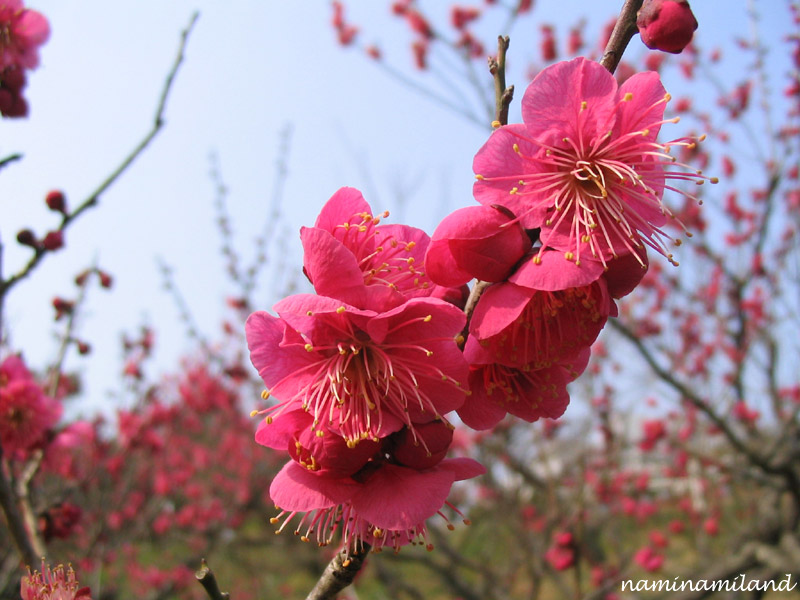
x=56 y=201
x=27 y=238
x=105 y=279
x=54 y=240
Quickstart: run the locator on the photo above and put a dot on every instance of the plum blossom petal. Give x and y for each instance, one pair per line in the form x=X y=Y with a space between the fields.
x=424 y=493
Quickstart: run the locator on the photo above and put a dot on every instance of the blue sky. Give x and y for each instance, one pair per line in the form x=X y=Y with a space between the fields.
x=253 y=67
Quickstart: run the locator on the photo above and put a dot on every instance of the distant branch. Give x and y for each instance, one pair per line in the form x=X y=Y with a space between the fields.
x=94 y=197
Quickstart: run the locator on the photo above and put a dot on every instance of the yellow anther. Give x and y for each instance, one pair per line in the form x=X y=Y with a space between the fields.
x=496 y=124
x=537 y=260
x=479 y=177
x=627 y=97
x=429 y=353
x=667 y=97
x=309 y=313
x=309 y=348
x=341 y=309
x=516 y=148
x=319 y=433
x=569 y=255
x=410 y=260
x=264 y=394
x=253 y=413
x=585 y=238
x=459 y=339
x=377 y=532
x=584 y=105
x=714 y=180
x=427 y=318
x=513 y=190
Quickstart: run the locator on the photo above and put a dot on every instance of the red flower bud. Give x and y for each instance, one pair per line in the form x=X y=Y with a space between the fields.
x=105 y=279
x=53 y=240
x=666 y=25
x=56 y=201
x=63 y=307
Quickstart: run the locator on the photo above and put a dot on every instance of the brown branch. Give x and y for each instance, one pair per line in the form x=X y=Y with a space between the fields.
x=624 y=30
x=502 y=95
x=206 y=578
x=29 y=553
x=472 y=301
x=339 y=573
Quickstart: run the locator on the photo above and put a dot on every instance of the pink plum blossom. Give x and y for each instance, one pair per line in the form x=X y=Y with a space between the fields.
x=56 y=584
x=26 y=413
x=351 y=257
x=525 y=392
x=22 y=31
x=544 y=314
x=585 y=167
x=361 y=373
x=475 y=242
x=384 y=505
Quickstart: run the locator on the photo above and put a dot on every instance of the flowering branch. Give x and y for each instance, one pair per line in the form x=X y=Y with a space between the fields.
x=624 y=30
x=339 y=573
x=93 y=199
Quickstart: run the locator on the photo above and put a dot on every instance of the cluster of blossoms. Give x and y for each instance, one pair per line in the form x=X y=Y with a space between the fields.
x=22 y=31
x=27 y=414
x=367 y=369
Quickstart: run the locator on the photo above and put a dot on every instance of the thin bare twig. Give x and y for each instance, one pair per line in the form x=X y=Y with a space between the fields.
x=502 y=94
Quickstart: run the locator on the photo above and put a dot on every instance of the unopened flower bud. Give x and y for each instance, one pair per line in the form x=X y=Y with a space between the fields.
x=56 y=201
x=105 y=279
x=63 y=307
x=27 y=238
x=84 y=348
x=666 y=25
x=54 y=240
x=80 y=278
